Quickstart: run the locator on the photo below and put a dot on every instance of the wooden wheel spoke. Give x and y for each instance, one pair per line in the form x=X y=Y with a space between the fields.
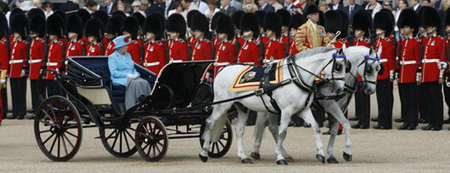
x=149 y=149
x=154 y=150
x=220 y=142
x=59 y=145
x=44 y=131
x=126 y=140
x=46 y=113
x=131 y=136
x=64 y=135
x=71 y=134
x=143 y=148
x=45 y=123
x=53 y=113
x=64 y=144
x=110 y=135
x=53 y=144
x=120 y=141
x=213 y=147
x=151 y=128
x=53 y=134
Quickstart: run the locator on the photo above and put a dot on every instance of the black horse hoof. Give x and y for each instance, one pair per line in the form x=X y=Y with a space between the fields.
x=255 y=156
x=320 y=158
x=347 y=157
x=203 y=158
x=282 y=162
x=247 y=161
x=332 y=160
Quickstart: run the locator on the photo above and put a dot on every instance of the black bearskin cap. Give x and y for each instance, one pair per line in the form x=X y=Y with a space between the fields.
x=140 y=18
x=153 y=25
x=75 y=24
x=176 y=23
x=189 y=17
x=35 y=11
x=345 y=24
x=408 y=17
x=214 y=20
x=200 y=22
x=333 y=21
x=114 y=25
x=131 y=25
x=249 y=22
x=362 y=21
x=260 y=19
x=385 y=21
x=55 y=26
x=102 y=15
x=37 y=25
x=19 y=24
x=225 y=25
x=431 y=17
x=296 y=21
x=3 y=25
x=94 y=27
x=311 y=9
x=84 y=14
x=447 y=17
x=285 y=16
x=273 y=22
x=237 y=18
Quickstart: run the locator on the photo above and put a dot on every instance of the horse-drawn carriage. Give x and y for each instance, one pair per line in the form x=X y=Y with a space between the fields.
x=177 y=100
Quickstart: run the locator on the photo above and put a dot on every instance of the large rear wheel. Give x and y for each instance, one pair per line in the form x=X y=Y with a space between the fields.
x=151 y=139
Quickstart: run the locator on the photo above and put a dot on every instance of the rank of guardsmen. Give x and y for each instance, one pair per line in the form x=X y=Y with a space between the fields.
x=417 y=60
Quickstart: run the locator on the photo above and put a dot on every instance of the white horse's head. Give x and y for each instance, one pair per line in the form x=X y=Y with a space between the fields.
x=335 y=71
x=368 y=69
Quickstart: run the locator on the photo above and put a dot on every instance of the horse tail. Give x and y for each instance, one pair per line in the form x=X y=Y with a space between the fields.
x=260 y=125
x=216 y=131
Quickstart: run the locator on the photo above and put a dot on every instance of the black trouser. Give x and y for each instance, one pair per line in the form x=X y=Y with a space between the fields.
x=433 y=98
x=384 y=101
x=53 y=88
x=408 y=99
x=447 y=96
x=34 y=94
x=5 y=100
x=422 y=103
x=18 y=95
x=362 y=105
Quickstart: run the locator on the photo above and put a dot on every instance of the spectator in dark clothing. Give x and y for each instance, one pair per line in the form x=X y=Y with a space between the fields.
x=265 y=6
x=109 y=7
x=69 y=6
x=154 y=7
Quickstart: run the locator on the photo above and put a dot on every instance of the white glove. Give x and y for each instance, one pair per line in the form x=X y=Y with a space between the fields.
x=132 y=76
x=2 y=81
x=442 y=65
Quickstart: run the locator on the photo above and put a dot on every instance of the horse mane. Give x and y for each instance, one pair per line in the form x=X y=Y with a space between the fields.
x=359 y=50
x=317 y=50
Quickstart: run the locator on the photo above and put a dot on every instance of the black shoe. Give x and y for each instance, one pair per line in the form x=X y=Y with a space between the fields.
x=448 y=128
x=436 y=128
x=374 y=119
x=364 y=127
x=30 y=117
x=423 y=121
x=428 y=127
x=306 y=125
x=11 y=117
x=30 y=111
x=403 y=127
x=447 y=121
x=399 y=120
x=339 y=132
x=20 y=117
x=382 y=127
x=356 y=126
x=411 y=127
x=353 y=118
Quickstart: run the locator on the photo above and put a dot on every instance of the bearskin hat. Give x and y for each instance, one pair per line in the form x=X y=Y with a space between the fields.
x=162 y=20
x=84 y=14
x=225 y=25
x=447 y=17
x=311 y=9
x=153 y=25
x=15 y=11
x=237 y=18
x=408 y=17
x=140 y=18
x=249 y=22
x=176 y=23
x=333 y=21
x=75 y=24
x=431 y=17
x=19 y=24
x=273 y=22
x=61 y=14
x=3 y=25
x=131 y=25
x=102 y=15
x=296 y=21
x=55 y=26
x=35 y=11
x=345 y=24
x=189 y=17
x=285 y=16
x=214 y=20
x=37 y=25
x=260 y=14
x=114 y=25
x=121 y=13
x=200 y=22
x=94 y=27
x=362 y=21
x=383 y=20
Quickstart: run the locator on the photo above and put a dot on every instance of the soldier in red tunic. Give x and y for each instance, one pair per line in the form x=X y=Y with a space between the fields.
x=384 y=25
x=113 y=29
x=431 y=76
x=131 y=28
x=17 y=63
x=285 y=38
x=239 y=40
x=3 y=63
x=155 y=53
x=215 y=39
x=296 y=21
x=36 y=57
x=55 y=54
x=361 y=24
x=191 y=39
x=250 y=51
x=75 y=27
x=176 y=29
x=334 y=22
x=226 y=51
x=275 y=49
x=94 y=30
x=201 y=49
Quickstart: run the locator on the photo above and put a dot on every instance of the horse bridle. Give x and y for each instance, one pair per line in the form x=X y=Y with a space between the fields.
x=368 y=69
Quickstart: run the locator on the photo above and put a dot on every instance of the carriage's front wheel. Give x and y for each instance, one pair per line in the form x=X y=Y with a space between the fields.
x=58 y=128
x=223 y=144
x=119 y=141
x=151 y=139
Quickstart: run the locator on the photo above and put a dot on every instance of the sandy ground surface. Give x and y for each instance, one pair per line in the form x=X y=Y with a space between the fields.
x=373 y=151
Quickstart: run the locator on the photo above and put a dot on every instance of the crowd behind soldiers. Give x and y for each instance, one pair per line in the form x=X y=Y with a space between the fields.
x=34 y=37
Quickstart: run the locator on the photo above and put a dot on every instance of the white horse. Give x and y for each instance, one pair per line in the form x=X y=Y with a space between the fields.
x=364 y=62
x=294 y=97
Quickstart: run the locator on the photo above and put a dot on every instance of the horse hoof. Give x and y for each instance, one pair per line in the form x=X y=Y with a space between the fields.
x=255 y=156
x=282 y=162
x=247 y=161
x=332 y=160
x=347 y=157
x=203 y=158
x=320 y=158
x=289 y=159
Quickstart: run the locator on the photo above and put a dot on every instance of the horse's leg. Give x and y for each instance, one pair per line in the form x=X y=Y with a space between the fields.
x=348 y=142
x=260 y=125
x=273 y=128
x=284 y=122
x=334 y=131
x=218 y=113
x=240 y=128
x=309 y=118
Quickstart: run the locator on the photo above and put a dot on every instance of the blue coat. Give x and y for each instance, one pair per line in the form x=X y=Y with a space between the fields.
x=119 y=67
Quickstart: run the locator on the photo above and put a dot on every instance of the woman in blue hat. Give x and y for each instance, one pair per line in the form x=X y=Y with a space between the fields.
x=123 y=73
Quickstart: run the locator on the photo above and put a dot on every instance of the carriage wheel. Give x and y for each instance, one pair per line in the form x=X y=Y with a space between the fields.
x=223 y=145
x=151 y=139
x=58 y=128
x=119 y=141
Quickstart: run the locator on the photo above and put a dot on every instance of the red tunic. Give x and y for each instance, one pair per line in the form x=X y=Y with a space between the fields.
x=201 y=50
x=340 y=43
x=225 y=55
x=55 y=57
x=4 y=60
x=410 y=56
x=433 y=54
x=18 y=52
x=361 y=42
x=75 y=48
x=37 y=55
x=155 y=56
x=274 y=51
x=250 y=53
x=94 y=49
x=109 y=48
x=387 y=57
x=178 y=50
x=134 y=49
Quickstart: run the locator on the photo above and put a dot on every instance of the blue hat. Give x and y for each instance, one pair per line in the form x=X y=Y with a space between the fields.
x=121 y=41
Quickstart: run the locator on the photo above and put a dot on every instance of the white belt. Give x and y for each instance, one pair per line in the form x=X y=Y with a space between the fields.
x=66 y=62
x=15 y=61
x=430 y=60
x=52 y=63
x=407 y=62
x=383 y=60
x=151 y=64
x=176 y=60
x=34 y=61
x=221 y=63
x=268 y=60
